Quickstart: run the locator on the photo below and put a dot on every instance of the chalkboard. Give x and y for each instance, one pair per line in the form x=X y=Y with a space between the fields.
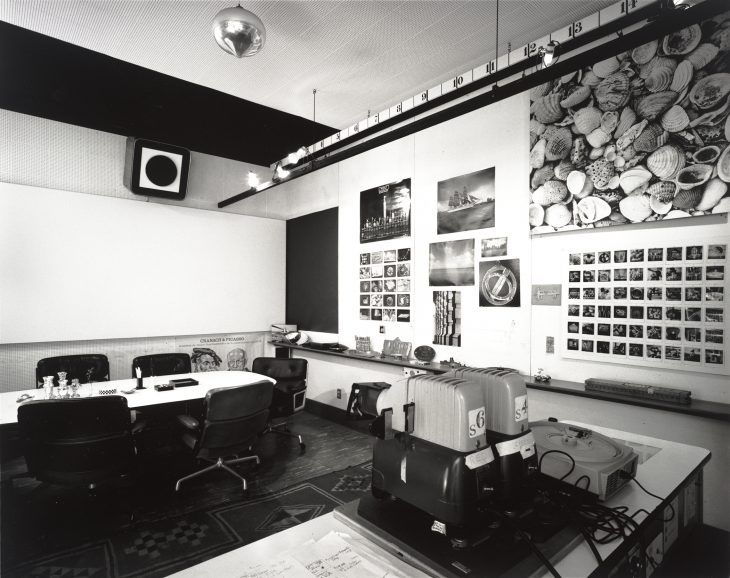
x=311 y=271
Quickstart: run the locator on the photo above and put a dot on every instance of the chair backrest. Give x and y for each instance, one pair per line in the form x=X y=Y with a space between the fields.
x=77 y=441
x=287 y=372
x=162 y=364
x=85 y=368
x=233 y=417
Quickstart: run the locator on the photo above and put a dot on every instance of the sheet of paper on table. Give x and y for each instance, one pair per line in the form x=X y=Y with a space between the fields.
x=330 y=556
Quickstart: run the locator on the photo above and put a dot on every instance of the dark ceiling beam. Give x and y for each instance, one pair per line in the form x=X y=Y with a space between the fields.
x=664 y=21
x=49 y=78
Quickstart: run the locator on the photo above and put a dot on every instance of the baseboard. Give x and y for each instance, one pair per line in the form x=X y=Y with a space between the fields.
x=326 y=411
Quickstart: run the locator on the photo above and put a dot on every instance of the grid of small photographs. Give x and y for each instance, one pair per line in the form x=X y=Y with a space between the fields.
x=385 y=285
x=656 y=306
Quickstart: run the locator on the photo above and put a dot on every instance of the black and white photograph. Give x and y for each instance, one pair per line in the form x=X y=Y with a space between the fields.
x=451 y=263
x=364 y=258
x=619 y=330
x=574 y=259
x=589 y=310
x=654 y=351
x=497 y=247
x=653 y=332
x=636 y=312
x=636 y=274
x=713 y=293
x=586 y=345
x=389 y=315
x=604 y=275
x=364 y=272
x=620 y=292
x=388 y=300
x=589 y=292
x=404 y=270
x=673 y=313
x=693 y=314
x=672 y=353
x=364 y=314
x=693 y=293
x=636 y=255
x=365 y=300
x=572 y=344
x=587 y=328
x=376 y=300
x=620 y=274
x=693 y=253
x=715 y=336
x=636 y=331
x=636 y=294
x=376 y=314
x=693 y=354
x=499 y=283
x=604 y=329
x=364 y=286
x=717 y=252
x=715 y=273
x=674 y=293
x=604 y=311
x=403 y=315
x=574 y=293
x=574 y=310
x=604 y=257
x=714 y=315
x=693 y=273
x=603 y=347
x=674 y=254
x=604 y=293
x=693 y=334
x=376 y=271
x=715 y=356
x=589 y=258
x=389 y=256
x=466 y=202
x=620 y=311
x=376 y=258
x=404 y=254
x=654 y=273
x=673 y=333
x=376 y=285
x=619 y=348
x=673 y=274
x=573 y=276
x=403 y=300
x=573 y=327
x=619 y=256
x=389 y=270
x=589 y=276
x=389 y=285
x=654 y=293
x=654 y=313
x=656 y=254
x=636 y=350
x=403 y=285
x=385 y=212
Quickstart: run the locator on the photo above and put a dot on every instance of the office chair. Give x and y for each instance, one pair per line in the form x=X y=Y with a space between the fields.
x=77 y=442
x=233 y=419
x=289 y=392
x=162 y=364
x=86 y=368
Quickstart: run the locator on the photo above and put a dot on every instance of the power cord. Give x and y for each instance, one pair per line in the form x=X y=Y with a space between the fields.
x=572 y=461
x=628 y=476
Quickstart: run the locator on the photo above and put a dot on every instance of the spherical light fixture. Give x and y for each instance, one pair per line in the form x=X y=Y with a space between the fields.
x=549 y=53
x=239 y=32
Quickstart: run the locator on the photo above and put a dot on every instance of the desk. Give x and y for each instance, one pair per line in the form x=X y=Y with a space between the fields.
x=674 y=472
x=144 y=397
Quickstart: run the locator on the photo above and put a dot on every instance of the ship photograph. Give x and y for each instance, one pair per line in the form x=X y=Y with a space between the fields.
x=466 y=202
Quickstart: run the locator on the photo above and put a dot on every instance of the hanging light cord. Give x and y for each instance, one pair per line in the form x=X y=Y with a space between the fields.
x=496 y=41
x=314 y=105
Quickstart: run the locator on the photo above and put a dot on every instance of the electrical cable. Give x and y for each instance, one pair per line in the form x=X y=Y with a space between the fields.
x=572 y=467
x=626 y=475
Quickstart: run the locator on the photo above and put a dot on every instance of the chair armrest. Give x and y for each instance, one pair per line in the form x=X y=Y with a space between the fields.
x=138 y=426
x=188 y=422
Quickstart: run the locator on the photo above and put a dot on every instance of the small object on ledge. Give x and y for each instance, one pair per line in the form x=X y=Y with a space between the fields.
x=395 y=348
x=452 y=364
x=164 y=387
x=424 y=353
x=668 y=394
x=184 y=382
x=541 y=376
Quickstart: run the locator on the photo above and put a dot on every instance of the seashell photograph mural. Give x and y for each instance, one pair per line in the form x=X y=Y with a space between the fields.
x=642 y=136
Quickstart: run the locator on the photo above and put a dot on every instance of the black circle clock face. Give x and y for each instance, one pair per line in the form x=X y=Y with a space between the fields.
x=161 y=170
x=424 y=353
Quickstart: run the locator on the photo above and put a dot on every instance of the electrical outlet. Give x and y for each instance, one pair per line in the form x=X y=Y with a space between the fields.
x=409 y=371
x=339 y=393
x=382 y=329
x=549 y=344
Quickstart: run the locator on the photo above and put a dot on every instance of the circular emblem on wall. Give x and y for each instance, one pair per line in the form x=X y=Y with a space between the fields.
x=499 y=285
x=424 y=353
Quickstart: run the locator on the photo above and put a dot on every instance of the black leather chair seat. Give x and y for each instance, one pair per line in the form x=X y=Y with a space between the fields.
x=162 y=364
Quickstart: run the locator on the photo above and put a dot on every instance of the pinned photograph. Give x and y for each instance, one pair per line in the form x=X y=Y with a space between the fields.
x=389 y=285
x=574 y=293
x=389 y=256
x=604 y=257
x=589 y=258
x=714 y=315
x=365 y=300
x=574 y=310
x=694 y=253
x=589 y=310
x=604 y=311
x=636 y=255
x=620 y=275
x=693 y=334
x=589 y=293
x=619 y=330
x=715 y=356
x=636 y=312
x=653 y=332
x=364 y=286
x=693 y=314
x=364 y=314
x=388 y=300
x=619 y=256
x=716 y=251
x=404 y=254
x=497 y=247
x=654 y=351
x=587 y=328
x=364 y=258
x=376 y=286
x=654 y=293
x=692 y=354
x=655 y=273
x=693 y=273
x=672 y=353
x=451 y=263
x=656 y=254
x=499 y=283
x=376 y=314
x=603 y=329
x=376 y=258
x=573 y=276
x=636 y=331
x=674 y=293
x=636 y=350
x=403 y=285
x=389 y=270
x=693 y=293
x=403 y=300
x=713 y=293
x=404 y=315
x=385 y=212
x=654 y=313
x=620 y=311
x=376 y=271
x=674 y=274
x=672 y=333
x=619 y=348
x=376 y=300
x=637 y=294
x=714 y=336
x=589 y=276
x=673 y=313
x=404 y=270
x=586 y=345
x=674 y=254
x=604 y=293
x=574 y=259
x=604 y=275
x=447 y=318
x=603 y=347
x=572 y=345
x=619 y=292
x=389 y=315
x=715 y=273
x=364 y=272
x=466 y=202
x=636 y=274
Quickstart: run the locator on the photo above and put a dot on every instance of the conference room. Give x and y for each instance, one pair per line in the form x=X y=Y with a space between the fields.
x=383 y=284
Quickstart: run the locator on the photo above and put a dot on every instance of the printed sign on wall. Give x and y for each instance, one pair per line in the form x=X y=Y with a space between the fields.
x=638 y=137
x=385 y=212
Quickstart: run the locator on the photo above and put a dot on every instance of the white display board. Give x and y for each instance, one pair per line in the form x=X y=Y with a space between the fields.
x=76 y=266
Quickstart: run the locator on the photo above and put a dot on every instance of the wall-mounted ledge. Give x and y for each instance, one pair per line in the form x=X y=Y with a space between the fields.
x=699 y=408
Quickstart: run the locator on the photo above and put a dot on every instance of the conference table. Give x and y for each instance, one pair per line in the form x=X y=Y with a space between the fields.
x=137 y=398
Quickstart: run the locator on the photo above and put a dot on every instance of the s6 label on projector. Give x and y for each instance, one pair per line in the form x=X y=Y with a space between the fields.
x=477 y=422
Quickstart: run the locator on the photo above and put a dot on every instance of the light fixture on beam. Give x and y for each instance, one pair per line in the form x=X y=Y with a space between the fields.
x=253 y=179
x=279 y=173
x=550 y=53
x=239 y=32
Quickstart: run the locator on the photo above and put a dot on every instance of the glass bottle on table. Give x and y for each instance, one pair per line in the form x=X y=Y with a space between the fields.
x=48 y=387
x=75 y=387
x=63 y=388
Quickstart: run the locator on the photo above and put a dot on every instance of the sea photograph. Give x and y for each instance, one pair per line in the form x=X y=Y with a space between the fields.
x=466 y=202
x=451 y=263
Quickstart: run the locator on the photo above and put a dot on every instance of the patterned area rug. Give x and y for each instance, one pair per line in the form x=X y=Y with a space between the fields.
x=154 y=547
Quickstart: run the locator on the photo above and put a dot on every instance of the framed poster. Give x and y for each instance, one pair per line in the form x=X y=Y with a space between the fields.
x=466 y=202
x=385 y=212
x=661 y=306
x=638 y=137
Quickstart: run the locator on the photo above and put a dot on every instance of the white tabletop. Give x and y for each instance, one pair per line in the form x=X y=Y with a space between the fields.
x=661 y=473
x=142 y=397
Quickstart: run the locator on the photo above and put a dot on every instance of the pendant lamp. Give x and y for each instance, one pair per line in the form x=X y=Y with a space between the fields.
x=239 y=32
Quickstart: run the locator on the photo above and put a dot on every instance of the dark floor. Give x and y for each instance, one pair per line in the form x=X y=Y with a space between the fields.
x=33 y=514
